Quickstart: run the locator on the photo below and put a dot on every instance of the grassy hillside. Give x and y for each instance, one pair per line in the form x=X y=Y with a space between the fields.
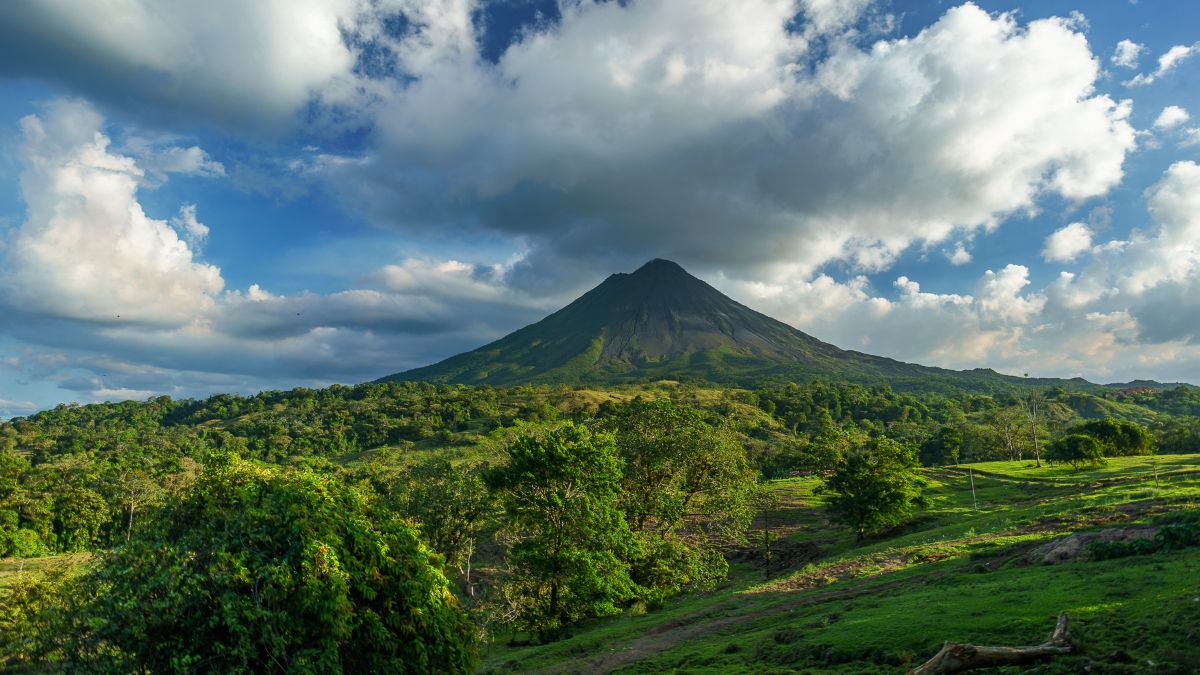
x=959 y=573
x=72 y=478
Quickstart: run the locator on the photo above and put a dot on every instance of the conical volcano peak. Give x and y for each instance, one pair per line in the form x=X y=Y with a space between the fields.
x=659 y=322
x=658 y=286
x=661 y=266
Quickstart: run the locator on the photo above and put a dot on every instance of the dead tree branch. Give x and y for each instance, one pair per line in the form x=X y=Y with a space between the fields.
x=959 y=658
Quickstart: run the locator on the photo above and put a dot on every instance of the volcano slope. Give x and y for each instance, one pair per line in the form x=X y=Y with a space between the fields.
x=660 y=322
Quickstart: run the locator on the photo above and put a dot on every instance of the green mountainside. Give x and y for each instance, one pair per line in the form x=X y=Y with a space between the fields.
x=662 y=323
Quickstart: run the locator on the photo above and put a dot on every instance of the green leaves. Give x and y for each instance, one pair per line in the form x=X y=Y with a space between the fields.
x=560 y=492
x=1077 y=450
x=686 y=488
x=874 y=486
x=1119 y=437
x=258 y=569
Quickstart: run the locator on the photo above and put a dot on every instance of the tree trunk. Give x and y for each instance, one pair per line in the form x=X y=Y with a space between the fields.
x=767 y=544
x=959 y=658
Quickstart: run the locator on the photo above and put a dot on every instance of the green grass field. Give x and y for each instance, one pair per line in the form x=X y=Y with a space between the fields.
x=960 y=571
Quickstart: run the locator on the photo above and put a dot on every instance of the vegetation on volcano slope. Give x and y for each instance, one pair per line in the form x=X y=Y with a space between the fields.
x=661 y=322
x=101 y=477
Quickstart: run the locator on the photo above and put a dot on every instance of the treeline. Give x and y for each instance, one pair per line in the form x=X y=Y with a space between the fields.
x=75 y=477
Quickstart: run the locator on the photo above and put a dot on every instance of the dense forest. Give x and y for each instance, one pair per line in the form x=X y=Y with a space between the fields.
x=531 y=508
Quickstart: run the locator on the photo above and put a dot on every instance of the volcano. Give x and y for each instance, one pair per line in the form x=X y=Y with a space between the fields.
x=660 y=322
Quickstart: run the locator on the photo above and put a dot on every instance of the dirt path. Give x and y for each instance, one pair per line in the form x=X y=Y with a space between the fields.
x=692 y=626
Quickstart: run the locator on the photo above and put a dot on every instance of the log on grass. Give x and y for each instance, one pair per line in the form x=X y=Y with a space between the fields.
x=959 y=658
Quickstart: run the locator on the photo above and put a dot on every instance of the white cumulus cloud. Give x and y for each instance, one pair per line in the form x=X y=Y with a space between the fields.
x=1066 y=243
x=1171 y=117
x=1127 y=54
x=87 y=250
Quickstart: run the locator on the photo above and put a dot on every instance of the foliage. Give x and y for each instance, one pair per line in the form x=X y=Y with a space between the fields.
x=1077 y=450
x=453 y=506
x=560 y=490
x=34 y=613
x=686 y=487
x=886 y=604
x=1119 y=437
x=943 y=447
x=256 y=569
x=874 y=487
x=79 y=513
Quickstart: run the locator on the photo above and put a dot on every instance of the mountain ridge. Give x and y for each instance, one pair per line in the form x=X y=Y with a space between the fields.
x=660 y=322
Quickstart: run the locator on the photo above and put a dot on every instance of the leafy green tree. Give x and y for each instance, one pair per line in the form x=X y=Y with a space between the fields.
x=560 y=492
x=453 y=506
x=266 y=570
x=1077 y=450
x=687 y=486
x=1119 y=437
x=1005 y=422
x=875 y=486
x=79 y=515
x=943 y=447
x=830 y=442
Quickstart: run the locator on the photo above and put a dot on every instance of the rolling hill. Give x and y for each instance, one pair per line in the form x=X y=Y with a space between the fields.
x=660 y=322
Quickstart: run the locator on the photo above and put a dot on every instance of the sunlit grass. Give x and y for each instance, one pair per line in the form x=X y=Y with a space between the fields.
x=957 y=572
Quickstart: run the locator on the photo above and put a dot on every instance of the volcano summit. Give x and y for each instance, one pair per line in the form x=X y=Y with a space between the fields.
x=660 y=322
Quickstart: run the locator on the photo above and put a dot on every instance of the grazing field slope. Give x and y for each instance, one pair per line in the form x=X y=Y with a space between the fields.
x=995 y=564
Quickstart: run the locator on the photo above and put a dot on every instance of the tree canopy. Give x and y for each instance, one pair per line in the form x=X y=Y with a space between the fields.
x=560 y=490
x=874 y=486
x=255 y=569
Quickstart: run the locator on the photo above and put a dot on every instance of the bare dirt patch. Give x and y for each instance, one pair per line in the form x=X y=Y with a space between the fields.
x=1078 y=546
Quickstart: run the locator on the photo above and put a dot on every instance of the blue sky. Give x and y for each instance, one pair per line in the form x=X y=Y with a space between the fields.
x=203 y=197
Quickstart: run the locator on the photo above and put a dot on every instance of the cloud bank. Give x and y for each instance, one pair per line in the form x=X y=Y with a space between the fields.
x=770 y=144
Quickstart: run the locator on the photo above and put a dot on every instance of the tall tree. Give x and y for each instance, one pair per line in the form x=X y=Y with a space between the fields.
x=570 y=544
x=874 y=486
x=1032 y=403
x=454 y=507
x=255 y=569
x=687 y=488
x=1005 y=422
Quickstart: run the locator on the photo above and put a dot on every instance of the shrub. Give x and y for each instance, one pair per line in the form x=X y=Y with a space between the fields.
x=256 y=569
x=1077 y=450
x=874 y=487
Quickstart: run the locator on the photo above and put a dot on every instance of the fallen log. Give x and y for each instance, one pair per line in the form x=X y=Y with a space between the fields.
x=959 y=658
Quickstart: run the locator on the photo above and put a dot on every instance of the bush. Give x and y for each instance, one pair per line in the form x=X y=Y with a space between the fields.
x=874 y=487
x=1077 y=450
x=258 y=569
x=22 y=543
x=1119 y=437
